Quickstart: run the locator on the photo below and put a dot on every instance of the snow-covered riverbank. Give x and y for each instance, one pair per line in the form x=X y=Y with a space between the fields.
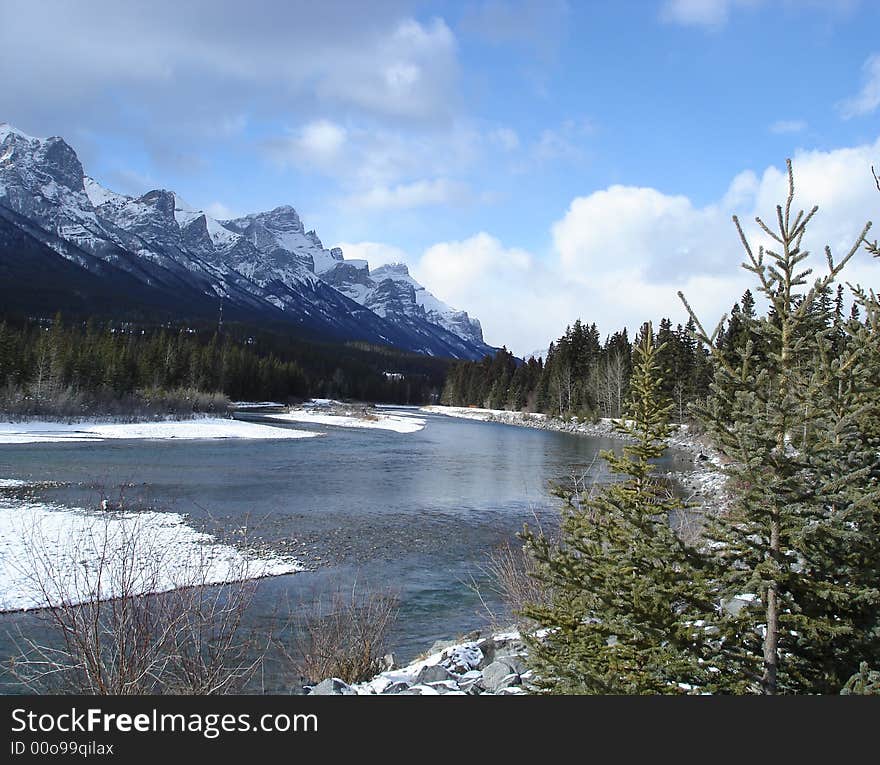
x=352 y=418
x=51 y=554
x=32 y=432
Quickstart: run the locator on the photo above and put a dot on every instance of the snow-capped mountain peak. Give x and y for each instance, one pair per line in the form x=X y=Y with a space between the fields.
x=265 y=264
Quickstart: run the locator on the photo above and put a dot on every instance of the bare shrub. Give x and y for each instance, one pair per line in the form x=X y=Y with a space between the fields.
x=510 y=571
x=131 y=610
x=343 y=636
x=68 y=403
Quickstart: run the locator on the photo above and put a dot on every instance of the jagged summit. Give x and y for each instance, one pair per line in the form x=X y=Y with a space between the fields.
x=265 y=264
x=392 y=269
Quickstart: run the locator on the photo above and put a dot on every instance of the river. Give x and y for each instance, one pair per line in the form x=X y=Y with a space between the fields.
x=416 y=512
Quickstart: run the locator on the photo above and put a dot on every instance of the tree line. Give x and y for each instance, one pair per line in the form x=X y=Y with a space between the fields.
x=50 y=366
x=582 y=376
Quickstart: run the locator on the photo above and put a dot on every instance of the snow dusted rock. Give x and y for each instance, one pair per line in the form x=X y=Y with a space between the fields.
x=464 y=658
x=433 y=674
x=501 y=674
x=501 y=647
x=458 y=669
x=333 y=687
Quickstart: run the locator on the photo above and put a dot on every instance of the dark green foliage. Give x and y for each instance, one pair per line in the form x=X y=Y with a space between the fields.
x=581 y=376
x=791 y=410
x=626 y=591
x=866 y=682
x=54 y=368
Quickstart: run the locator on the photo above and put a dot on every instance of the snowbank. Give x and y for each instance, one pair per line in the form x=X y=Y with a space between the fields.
x=486 y=415
x=254 y=404
x=397 y=423
x=50 y=555
x=204 y=428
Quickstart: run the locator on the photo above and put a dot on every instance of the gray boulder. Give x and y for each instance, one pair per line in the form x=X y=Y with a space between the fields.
x=440 y=645
x=433 y=674
x=333 y=686
x=500 y=674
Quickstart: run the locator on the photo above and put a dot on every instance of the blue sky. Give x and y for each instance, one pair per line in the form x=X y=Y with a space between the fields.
x=532 y=161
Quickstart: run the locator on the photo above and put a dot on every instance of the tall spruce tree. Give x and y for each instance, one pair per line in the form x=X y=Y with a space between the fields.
x=794 y=600
x=626 y=590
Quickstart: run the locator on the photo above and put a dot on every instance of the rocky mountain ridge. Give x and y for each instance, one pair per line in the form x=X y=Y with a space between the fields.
x=264 y=266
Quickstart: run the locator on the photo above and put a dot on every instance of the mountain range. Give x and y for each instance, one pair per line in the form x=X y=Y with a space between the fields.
x=68 y=243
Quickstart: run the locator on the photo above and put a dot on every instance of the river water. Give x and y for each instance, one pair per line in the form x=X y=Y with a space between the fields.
x=415 y=512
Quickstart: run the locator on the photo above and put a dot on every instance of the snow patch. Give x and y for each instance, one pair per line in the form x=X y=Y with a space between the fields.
x=207 y=428
x=396 y=423
x=51 y=555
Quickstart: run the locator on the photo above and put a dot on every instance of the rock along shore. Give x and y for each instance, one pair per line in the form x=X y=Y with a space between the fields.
x=493 y=665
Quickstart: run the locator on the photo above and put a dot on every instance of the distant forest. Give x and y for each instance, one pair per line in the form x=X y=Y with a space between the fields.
x=586 y=378
x=55 y=367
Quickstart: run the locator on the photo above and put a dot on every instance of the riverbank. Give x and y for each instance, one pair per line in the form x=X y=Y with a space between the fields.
x=52 y=555
x=703 y=485
x=476 y=666
x=45 y=431
x=340 y=415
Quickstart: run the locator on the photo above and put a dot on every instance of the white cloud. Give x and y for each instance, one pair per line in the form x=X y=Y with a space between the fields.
x=701 y=13
x=404 y=196
x=322 y=139
x=868 y=99
x=408 y=73
x=107 y=65
x=515 y=297
x=633 y=248
x=505 y=137
x=621 y=254
x=375 y=253
x=781 y=127
x=220 y=211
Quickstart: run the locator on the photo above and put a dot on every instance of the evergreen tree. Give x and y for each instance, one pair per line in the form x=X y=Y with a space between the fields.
x=782 y=546
x=626 y=590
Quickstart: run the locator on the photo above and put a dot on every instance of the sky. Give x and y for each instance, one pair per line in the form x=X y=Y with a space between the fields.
x=532 y=161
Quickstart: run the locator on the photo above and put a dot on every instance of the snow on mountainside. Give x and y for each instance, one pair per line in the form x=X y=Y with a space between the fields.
x=265 y=264
x=437 y=312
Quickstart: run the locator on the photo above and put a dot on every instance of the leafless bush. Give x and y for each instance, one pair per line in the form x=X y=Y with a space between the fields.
x=134 y=611
x=343 y=635
x=510 y=572
x=70 y=403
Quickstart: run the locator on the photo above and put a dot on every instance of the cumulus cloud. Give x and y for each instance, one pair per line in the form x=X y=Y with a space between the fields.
x=322 y=139
x=620 y=254
x=319 y=144
x=375 y=253
x=383 y=168
x=412 y=72
x=868 y=98
x=642 y=245
x=513 y=294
